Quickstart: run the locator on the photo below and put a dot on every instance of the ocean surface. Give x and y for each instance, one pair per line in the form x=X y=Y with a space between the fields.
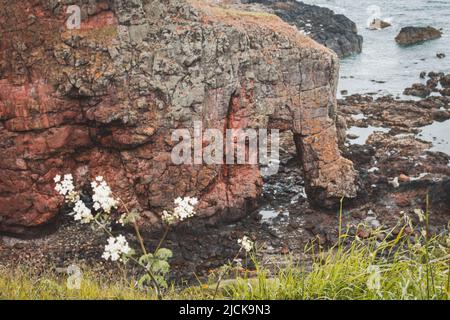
x=384 y=67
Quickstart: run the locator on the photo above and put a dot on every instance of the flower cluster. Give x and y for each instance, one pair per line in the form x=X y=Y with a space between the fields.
x=102 y=196
x=64 y=186
x=184 y=208
x=82 y=213
x=116 y=249
x=98 y=207
x=246 y=243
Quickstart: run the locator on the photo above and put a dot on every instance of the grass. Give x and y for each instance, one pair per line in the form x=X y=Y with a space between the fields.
x=405 y=266
x=363 y=270
x=19 y=285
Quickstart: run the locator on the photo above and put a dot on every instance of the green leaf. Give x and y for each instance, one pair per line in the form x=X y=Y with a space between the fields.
x=146 y=259
x=144 y=281
x=160 y=266
x=161 y=281
x=163 y=254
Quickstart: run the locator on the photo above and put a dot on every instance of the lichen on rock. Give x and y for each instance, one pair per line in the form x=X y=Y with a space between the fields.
x=104 y=99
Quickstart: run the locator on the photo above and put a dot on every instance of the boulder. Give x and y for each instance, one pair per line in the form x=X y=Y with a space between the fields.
x=414 y=35
x=378 y=24
x=332 y=30
x=445 y=80
x=418 y=90
x=104 y=100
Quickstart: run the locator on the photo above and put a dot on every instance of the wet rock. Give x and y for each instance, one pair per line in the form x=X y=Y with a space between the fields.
x=414 y=35
x=418 y=90
x=433 y=74
x=441 y=115
x=334 y=31
x=445 y=80
x=445 y=92
x=440 y=55
x=432 y=83
x=378 y=24
x=423 y=74
x=142 y=71
x=352 y=136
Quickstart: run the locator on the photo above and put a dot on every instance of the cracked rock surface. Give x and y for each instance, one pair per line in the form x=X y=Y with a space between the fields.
x=334 y=31
x=104 y=100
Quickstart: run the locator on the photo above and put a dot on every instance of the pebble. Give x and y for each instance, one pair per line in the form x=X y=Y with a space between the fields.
x=395 y=183
x=404 y=178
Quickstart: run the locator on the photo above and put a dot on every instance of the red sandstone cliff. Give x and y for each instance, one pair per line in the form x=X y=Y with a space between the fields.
x=103 y=100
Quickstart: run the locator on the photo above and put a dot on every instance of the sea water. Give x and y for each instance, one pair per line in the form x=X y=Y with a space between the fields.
x=384 y=67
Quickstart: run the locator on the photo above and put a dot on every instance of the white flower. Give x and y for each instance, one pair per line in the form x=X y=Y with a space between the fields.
x=72 y=197
x=122 y=219
x=65 y=186
x=82 y=213
x=246 y=243
x=116 y=248
x=168 y=218
x=102 y=196
x=184 y=208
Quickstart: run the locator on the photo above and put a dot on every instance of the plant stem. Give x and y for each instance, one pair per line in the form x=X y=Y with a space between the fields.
x=144 y=251
x=223 y=274
x=340 y=221
x=166 y=232
x=139 y=237
x=152 y=277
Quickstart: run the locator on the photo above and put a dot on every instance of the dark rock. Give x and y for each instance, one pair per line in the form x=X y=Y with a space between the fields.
x=433 y=74
x=334 y=31
x=414 y=35
x=441 y=115
x=432 y=83
x=153 y=67
x=440 y=55
x=445 y=92
x=445 y=80
x=418 y=90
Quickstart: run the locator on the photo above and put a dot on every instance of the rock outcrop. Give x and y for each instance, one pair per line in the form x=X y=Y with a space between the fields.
x=334 y=31
x=378 y=24
x=413 y=35
x=104 y=100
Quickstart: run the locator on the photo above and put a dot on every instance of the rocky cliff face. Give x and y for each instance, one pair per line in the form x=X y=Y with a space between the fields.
x=104 y=99
x=335 y=31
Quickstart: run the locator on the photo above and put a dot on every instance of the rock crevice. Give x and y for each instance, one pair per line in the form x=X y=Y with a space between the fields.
x=104 y=100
